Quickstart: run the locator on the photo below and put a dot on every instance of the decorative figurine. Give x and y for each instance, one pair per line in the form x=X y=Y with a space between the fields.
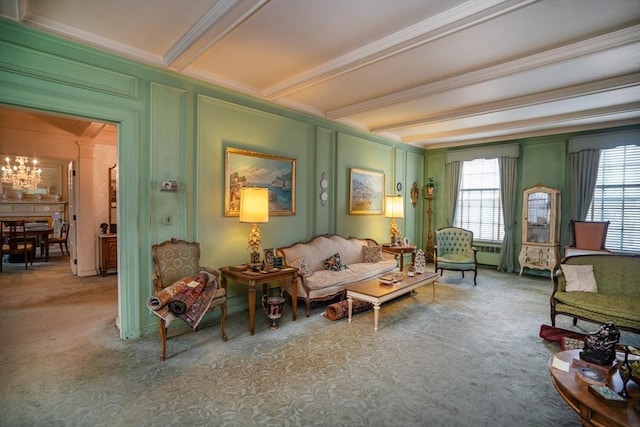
x=420 y=262
x=600 y=346
x=104 y=227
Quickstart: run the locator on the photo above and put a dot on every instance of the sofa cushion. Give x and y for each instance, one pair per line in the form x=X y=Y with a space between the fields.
x=579 y=278
x=333 y=263
x=621 y=306
x=355 y=273
x=372 y=253
x=322 y=247
x=301 y=265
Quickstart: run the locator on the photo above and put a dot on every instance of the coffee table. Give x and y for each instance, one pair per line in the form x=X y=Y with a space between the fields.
x=592 y=411
x=376 y=293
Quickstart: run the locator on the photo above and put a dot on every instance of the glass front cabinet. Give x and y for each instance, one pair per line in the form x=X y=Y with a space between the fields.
x=540 y=229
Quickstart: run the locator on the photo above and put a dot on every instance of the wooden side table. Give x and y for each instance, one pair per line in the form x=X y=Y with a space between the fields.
x=400 y=251
x=591 y=410
x=253 y=279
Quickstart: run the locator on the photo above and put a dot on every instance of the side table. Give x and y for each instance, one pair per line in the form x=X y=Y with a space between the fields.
x=253 y=279
x=400 y=251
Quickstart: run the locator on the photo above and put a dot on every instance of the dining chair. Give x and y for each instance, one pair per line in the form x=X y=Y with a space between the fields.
x=62 y=240
x=15 y=242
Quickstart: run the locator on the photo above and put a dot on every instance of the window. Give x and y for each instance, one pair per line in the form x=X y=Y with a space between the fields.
x=617 y=197
x=479 y=207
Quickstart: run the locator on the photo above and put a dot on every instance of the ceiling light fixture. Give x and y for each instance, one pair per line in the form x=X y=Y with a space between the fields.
x=21 y=176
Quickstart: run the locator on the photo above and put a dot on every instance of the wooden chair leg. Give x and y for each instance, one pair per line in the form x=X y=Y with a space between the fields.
x=223 y=319
x=163 y=338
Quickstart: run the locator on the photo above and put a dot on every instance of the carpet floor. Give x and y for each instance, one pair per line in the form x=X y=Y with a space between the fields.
x=473 y=357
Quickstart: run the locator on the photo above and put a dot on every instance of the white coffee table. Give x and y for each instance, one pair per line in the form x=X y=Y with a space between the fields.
x=376 y=293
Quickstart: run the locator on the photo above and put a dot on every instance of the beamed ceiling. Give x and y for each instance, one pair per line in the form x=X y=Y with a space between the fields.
x=429 y=73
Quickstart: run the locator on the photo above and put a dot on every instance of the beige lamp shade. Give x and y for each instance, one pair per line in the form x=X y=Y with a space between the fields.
x=254 y=205
x=394 y=207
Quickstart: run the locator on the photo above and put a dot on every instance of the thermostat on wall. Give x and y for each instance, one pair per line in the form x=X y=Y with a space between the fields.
x=169 y=186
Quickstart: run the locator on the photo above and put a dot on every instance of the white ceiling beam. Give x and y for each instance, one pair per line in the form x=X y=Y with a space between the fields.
x=433 y=143
x=516 y=126
x=526 y=63
x=569 y=92
x=453 y=20
x=219 y=21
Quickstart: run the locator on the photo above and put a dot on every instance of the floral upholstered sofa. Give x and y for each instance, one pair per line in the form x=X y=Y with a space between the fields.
x=598 y=288
x=329 y=263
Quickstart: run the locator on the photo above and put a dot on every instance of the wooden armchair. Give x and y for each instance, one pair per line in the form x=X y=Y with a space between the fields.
x=173 y=260
x=589 y=238
x=13 y=236
x=454 y=250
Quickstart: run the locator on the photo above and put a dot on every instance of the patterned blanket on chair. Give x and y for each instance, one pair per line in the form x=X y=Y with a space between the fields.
x=188 y=299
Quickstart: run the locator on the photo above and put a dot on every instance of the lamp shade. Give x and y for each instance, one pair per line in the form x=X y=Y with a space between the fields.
x=254 y=204
x=394 y=207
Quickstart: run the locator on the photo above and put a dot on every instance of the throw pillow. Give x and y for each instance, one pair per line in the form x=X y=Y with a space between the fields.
x=333 y=263
x=579 y=278
x=372 y=253
x=301 y=265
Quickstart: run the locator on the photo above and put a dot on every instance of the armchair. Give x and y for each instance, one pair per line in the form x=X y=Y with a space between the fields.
x=173 y=260
x=454 y=250
x=589 y=238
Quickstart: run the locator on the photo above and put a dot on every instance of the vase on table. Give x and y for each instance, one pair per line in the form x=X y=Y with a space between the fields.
x=625 y=373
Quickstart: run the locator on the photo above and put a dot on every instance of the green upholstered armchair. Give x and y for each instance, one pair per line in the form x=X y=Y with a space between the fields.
x=454 y=251
x=174 y=259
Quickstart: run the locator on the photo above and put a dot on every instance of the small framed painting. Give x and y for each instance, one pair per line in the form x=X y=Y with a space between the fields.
x=366 y=192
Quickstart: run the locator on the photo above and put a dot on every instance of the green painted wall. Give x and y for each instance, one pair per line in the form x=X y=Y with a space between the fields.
x=174 y=128
x=542 y=160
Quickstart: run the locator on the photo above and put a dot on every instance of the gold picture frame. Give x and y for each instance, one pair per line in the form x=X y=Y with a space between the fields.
x=366 y=192
x=244 y=168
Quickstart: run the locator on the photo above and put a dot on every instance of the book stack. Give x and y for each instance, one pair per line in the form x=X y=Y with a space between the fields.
x=387 y=279
x=607 y=395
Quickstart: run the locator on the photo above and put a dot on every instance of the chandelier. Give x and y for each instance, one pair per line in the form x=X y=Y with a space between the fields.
x=21 y=176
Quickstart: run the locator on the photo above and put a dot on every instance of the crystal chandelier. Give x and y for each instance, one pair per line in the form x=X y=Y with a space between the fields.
x=20 y=175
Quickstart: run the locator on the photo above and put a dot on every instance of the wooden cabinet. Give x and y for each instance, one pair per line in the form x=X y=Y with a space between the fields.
x=107 y=253
x=540 y=229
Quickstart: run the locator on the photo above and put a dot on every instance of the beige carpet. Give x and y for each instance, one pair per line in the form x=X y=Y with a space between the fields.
x=472 y=358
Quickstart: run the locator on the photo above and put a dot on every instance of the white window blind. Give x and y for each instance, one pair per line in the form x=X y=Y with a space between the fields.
x=617 y=197
x=479 y=208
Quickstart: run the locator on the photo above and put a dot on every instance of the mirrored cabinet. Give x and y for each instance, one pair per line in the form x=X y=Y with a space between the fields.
x=540 y=229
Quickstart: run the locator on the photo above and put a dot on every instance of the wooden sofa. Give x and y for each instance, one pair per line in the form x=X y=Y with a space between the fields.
x=618 y=291
x=315 y=283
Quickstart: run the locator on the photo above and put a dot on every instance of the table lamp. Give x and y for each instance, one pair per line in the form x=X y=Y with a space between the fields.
x=254 y=208
x=394 y=208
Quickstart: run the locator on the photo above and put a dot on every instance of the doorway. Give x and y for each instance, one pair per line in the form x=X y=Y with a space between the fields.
x=91 y=146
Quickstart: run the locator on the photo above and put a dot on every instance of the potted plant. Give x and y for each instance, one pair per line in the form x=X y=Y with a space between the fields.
x=431 y=184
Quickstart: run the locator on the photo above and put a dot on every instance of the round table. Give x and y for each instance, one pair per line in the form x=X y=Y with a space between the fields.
x=592 y=411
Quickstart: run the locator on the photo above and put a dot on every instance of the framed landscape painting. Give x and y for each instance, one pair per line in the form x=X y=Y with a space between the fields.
x=243 y=168
x=366 y=192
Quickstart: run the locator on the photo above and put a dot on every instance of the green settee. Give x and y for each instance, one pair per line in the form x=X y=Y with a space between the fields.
x=618 y=292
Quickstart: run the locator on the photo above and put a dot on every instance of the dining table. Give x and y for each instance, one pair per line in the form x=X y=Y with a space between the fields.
x=40 y=234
